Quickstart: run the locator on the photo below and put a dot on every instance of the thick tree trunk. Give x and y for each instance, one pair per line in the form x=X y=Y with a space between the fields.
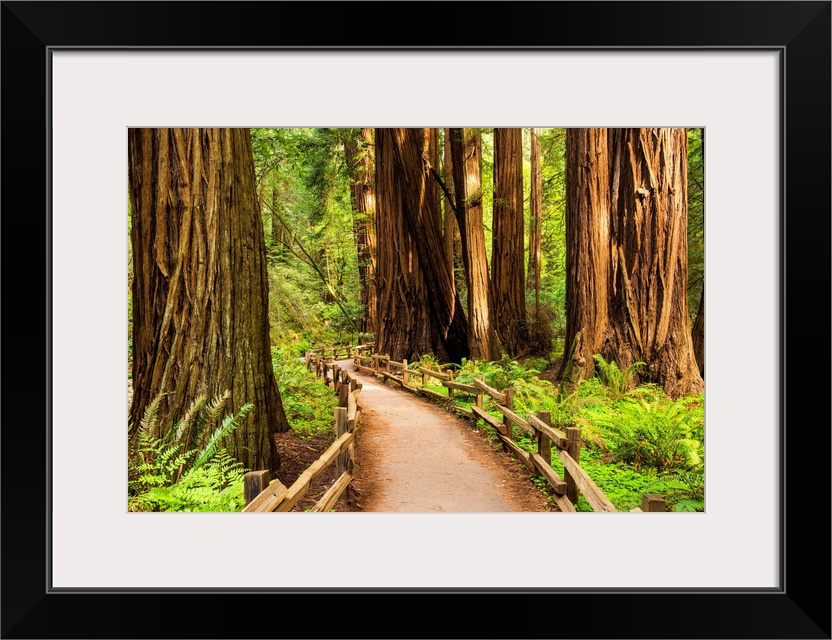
x=360 y=160
x=466 y=149
x=453 y=246
x=421 y=206
x=508 y=290
x=403 y=325
x=535 y=218
x=587 y=252
x=627 y=255
x=649 y=257
x=698 y=335
x=200 y=293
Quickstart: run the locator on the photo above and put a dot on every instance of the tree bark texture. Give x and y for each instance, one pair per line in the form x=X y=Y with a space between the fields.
x=535 y=218
x=403 y=324
x=453 y=246
x=414 y=153
x=626 y=226
x=587 y=252
x=649 y=260
x=466 y=150
x=200 y=293
x=508 y=270
x=361 y=163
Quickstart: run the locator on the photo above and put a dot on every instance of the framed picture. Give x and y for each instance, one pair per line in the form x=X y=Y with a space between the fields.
x=755 y=75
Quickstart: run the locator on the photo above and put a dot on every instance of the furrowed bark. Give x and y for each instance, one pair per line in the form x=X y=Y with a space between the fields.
x=200 y=292
x=413 y=149
x=508 y=290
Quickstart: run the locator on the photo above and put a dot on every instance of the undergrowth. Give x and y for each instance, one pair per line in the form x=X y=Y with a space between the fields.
x=308 y=403
x=183 y=467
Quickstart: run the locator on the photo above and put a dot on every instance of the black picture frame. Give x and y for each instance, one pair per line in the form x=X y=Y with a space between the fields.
x=800 y=608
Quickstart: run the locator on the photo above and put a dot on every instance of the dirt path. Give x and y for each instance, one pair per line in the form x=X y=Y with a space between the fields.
x=413 y=456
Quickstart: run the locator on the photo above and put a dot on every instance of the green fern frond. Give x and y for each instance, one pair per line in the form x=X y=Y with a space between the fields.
x=216 y=406
x=151 y=415
x=228 y=425
x=185 y=425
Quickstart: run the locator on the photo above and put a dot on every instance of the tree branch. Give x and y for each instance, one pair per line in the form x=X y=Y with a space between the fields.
x=314 y=265
x=442 y=186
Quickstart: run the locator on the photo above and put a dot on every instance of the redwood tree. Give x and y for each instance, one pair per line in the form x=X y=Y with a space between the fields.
x=508 y=290
x=650 y=319
x=627 y=255
x=403 y=324
x=535 y=217
x=453 y=248
x=466 y=151
x=587 y=251
x=360 y=159
x=415 y=152
x=200 y=291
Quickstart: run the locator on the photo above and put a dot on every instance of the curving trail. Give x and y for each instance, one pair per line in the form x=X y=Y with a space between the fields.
x=413 y=456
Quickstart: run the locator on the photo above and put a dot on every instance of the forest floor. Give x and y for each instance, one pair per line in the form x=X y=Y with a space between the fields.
x=413 y=456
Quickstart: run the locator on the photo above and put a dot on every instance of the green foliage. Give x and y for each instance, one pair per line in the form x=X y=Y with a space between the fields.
x=215 y=486
x=183 y=467
x=530 y=392
x=696 y=218
x=658 y=435
x=426 y=361
x=308 y=403
x=618 y=382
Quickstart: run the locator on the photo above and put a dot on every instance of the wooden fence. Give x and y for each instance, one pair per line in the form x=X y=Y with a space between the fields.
x=567 y=446
x=261 y=496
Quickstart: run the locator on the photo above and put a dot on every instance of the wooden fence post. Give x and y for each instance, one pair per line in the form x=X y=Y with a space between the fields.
x=510 y=405
x=336 y=378
x=573 y=434
x=375 y=362
x=341 y=429
x=544 y=444
x=652 y=502
x=254 y=483
x=343 y=394
x=481 y=394
x=405 y=371
x=450 y=390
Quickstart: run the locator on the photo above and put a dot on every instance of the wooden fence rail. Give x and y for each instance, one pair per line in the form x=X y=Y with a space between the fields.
x=262 y=497
x=576 y=480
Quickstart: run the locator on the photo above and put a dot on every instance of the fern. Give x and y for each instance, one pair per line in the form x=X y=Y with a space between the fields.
x=192 y=415
x=228 y=425
x=151 y=415
x=174 y=470
x=618 y=382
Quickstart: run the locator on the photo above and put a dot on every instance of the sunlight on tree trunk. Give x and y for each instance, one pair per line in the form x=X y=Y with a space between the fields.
x=360 y=160
x=466 y=149
x=508 y=270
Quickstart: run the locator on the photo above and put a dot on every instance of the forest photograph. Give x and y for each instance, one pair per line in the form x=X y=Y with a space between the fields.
x=416 y=320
